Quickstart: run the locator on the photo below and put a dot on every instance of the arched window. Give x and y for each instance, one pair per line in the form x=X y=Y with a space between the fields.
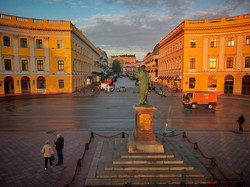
x=212 y=81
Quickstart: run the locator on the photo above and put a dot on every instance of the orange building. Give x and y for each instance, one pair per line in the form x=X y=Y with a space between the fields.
x=127 y=62
x=44 y=56
x=207 y=55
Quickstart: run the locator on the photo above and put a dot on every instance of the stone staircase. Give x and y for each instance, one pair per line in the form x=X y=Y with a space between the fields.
x=113 y=165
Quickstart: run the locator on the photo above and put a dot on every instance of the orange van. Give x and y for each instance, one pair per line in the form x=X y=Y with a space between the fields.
x=199 y=100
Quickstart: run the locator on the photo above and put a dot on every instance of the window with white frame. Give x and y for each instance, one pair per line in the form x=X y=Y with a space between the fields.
x=230 y=62
x=213 y=43
x=192 y=43
x=61 y=83
x=247 y=62
x=212 y=63
x=39 y=43
x=230 y=42
x=192 y=64
x=6 y=41
x=7 y=64
x=39 y=65
x=59 y=44
x=24 y=63
x=60 y=65
x=23 y=42
x=247 y=40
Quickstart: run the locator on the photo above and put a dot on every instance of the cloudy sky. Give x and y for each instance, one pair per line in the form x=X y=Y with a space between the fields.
x=125 y=26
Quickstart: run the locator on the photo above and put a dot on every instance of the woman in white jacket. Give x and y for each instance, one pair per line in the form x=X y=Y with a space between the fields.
x=47 y=152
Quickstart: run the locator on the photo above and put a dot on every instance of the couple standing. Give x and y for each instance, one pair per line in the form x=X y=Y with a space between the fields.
x=48 y=151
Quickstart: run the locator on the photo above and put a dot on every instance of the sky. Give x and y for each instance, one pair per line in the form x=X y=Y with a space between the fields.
x=119 y=27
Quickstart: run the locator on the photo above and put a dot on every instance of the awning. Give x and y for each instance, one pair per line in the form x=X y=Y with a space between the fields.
x=25 y=79
x=41 y=78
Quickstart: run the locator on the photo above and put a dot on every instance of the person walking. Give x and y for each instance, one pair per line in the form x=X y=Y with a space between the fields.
x=59 y=148
x=241 y=121
x=47 y=152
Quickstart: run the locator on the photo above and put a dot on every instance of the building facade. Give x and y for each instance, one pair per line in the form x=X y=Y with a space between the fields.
x=44 y=56
x=128 y=64
x=151 y=63
x=207 y=55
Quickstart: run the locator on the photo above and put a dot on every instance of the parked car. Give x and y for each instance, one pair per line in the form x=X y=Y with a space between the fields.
x=122 y=89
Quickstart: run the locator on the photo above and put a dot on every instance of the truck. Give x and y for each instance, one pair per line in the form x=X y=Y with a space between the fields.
x=195 y=100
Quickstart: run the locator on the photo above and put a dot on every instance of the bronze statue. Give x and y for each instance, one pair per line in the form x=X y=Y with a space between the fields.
x=144 y=85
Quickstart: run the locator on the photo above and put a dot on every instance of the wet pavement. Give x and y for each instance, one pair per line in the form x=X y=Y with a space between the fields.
x=28 y=122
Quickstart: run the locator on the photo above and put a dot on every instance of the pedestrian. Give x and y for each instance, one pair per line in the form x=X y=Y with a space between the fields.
x=48 y=153
x=59 y=148
x=241 y=121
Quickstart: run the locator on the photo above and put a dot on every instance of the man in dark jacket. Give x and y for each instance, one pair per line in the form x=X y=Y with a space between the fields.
x=241 y=121
x=59 y=147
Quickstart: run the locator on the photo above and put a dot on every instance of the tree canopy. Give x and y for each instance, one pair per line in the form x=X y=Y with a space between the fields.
x=116 y=66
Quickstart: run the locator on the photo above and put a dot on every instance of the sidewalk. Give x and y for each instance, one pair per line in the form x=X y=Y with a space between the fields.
x=23 y=165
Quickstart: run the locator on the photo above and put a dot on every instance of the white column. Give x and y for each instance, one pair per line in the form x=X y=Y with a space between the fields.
x=205 y=54
x=16 y=57
x=46 y=52
x=238 y=63
x=222 y=54
x=32 y=55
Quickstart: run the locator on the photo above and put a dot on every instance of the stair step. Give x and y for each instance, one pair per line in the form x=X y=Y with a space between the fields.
x=152 y=176
x=149 y=162
x=146 y=156
x=148 y=168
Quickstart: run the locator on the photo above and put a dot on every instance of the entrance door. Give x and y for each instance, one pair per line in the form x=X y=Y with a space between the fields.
x=229 y=84
x=25 y=83
x=9 y=85
x=246 y=85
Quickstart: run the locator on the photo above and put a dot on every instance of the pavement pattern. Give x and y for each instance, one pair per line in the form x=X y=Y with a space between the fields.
x=22 y=164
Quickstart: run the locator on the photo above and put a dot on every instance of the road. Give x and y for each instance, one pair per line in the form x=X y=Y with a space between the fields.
x=114 y=112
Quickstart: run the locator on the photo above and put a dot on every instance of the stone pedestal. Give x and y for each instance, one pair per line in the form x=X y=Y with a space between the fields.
x=143 y=139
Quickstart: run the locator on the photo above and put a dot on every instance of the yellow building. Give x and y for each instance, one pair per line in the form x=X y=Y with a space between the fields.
x=44 y=56
x=151 y=63
x=207 y=55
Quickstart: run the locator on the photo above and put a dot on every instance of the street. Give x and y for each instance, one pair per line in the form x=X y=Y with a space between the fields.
x=114 y=112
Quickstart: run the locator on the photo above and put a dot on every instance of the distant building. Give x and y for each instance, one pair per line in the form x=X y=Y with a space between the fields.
x=128 y=64
x=207 y=55
x=151 y=63
x=45 y=56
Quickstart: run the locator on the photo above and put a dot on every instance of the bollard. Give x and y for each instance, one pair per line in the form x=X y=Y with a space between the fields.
x=92 y=134
x=78 y=163
x=184 y=135
x=123 y=135
x=213 y=161
x=195 y=145
x=86 y=146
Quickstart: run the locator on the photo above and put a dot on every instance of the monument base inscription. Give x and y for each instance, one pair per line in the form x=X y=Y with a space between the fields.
x=143 y=140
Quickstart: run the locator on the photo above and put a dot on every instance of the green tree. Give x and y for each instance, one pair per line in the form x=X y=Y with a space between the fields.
x=116 y=66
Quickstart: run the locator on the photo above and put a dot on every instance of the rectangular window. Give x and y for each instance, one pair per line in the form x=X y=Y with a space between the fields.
x=192 y=63
x=60 y=83
x=230 y=42
x=6 y=41
x=59 y=44
x=60 y=65
x=230 y=62
x=191 y=82
x=193 y=43
x=247 y=40
x=7 y=64
x=39 y=44
x=24 y=65
x=213 y=43
x=23 y=42
x=212 y=63
x=39 y=65
x=247 y=62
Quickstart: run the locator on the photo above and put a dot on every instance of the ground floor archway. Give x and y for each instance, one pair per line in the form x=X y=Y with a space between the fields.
x=9 y=85
x=25 y=84
x=246 y=85
x=229 y=84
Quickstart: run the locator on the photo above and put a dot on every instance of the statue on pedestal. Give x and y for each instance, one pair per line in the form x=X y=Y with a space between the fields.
x=144 y=85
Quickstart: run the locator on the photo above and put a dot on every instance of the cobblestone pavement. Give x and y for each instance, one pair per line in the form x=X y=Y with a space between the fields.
x=21 y=163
